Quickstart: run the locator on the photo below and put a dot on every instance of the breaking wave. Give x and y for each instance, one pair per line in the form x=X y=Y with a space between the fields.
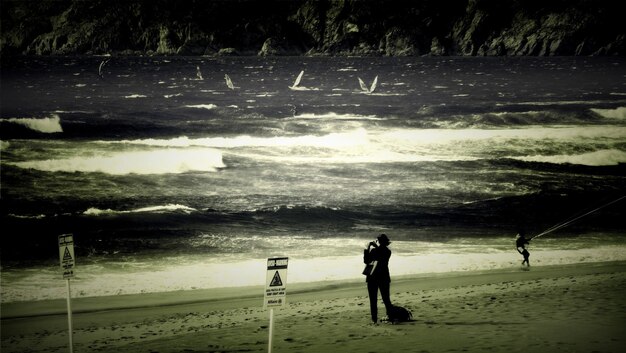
x=151 y=209
x=617 y=113
x=329 y=140
x=335 y=116
x=48 y=125
x=596 y=159
x=164 y=161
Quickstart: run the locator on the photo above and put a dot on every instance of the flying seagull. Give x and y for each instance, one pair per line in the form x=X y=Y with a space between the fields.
x=296 y=83
x=102 y=63
x=372 y=87
x=294 y=109
x=229 y=83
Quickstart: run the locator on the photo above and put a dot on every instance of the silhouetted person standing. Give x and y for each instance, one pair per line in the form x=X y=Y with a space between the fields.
x=379 y=279
x=520 y=244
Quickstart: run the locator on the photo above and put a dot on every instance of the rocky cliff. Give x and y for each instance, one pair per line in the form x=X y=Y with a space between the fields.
x=312 y=27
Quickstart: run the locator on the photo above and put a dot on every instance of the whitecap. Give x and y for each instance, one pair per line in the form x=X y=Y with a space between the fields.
x=45 y=125
x=617 y=113
x=40 y=216
x=546 y=103
x=609 y=157
x=381 y=94
x=160 y=161
x=93 y=211
x=202 y=106
x=335 y=116
x=536 y=133
x=357 y=137
x=73 y=111
x=302 y=88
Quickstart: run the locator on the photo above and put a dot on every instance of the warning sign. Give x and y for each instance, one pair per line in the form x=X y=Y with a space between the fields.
x=276 y=281
x=66 y=254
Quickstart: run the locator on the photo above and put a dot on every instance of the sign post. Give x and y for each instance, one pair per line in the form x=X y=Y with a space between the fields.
x=275 y=290
x=66 y=255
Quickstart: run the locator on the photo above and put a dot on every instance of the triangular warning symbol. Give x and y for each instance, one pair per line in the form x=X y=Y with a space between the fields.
x=276 y=281
x=67 y=256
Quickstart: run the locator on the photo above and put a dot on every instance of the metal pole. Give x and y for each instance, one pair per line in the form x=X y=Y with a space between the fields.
x=69 y=315
x=269 y=342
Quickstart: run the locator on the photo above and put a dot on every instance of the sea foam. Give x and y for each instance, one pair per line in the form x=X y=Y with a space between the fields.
x=598 y=158
x=356 y=137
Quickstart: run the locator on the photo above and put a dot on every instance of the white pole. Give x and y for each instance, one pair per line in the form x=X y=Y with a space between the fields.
x=69 y=315
x=269 y=342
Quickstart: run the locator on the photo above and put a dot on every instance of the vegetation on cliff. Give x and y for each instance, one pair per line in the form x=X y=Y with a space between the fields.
x=312 y=27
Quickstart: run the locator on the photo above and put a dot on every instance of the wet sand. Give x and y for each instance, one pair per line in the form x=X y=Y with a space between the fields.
x=573 y=308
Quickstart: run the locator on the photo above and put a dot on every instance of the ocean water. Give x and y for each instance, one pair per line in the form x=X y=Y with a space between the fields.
x=170 y=181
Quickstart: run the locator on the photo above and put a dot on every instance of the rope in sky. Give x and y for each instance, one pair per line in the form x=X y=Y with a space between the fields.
x=568 y=222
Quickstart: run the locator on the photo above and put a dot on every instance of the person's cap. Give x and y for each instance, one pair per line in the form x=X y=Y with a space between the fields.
x=383 y=239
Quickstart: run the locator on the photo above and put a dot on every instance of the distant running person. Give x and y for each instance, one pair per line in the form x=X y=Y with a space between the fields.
x=520 y=244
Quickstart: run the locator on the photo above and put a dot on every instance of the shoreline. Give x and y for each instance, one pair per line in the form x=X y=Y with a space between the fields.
x=94 y=304
x=579 y=307
x=188 y=275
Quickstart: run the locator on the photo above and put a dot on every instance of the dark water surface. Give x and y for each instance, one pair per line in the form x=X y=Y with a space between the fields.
x=150 y=161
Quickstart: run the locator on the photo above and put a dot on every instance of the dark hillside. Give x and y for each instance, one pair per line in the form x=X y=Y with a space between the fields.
x=312 y=27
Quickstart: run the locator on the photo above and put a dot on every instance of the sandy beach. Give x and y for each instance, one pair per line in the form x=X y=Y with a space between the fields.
x=573 y=308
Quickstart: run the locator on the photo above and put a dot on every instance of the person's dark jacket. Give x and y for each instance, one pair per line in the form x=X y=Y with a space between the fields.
x=381 y=272
x=521 y=243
